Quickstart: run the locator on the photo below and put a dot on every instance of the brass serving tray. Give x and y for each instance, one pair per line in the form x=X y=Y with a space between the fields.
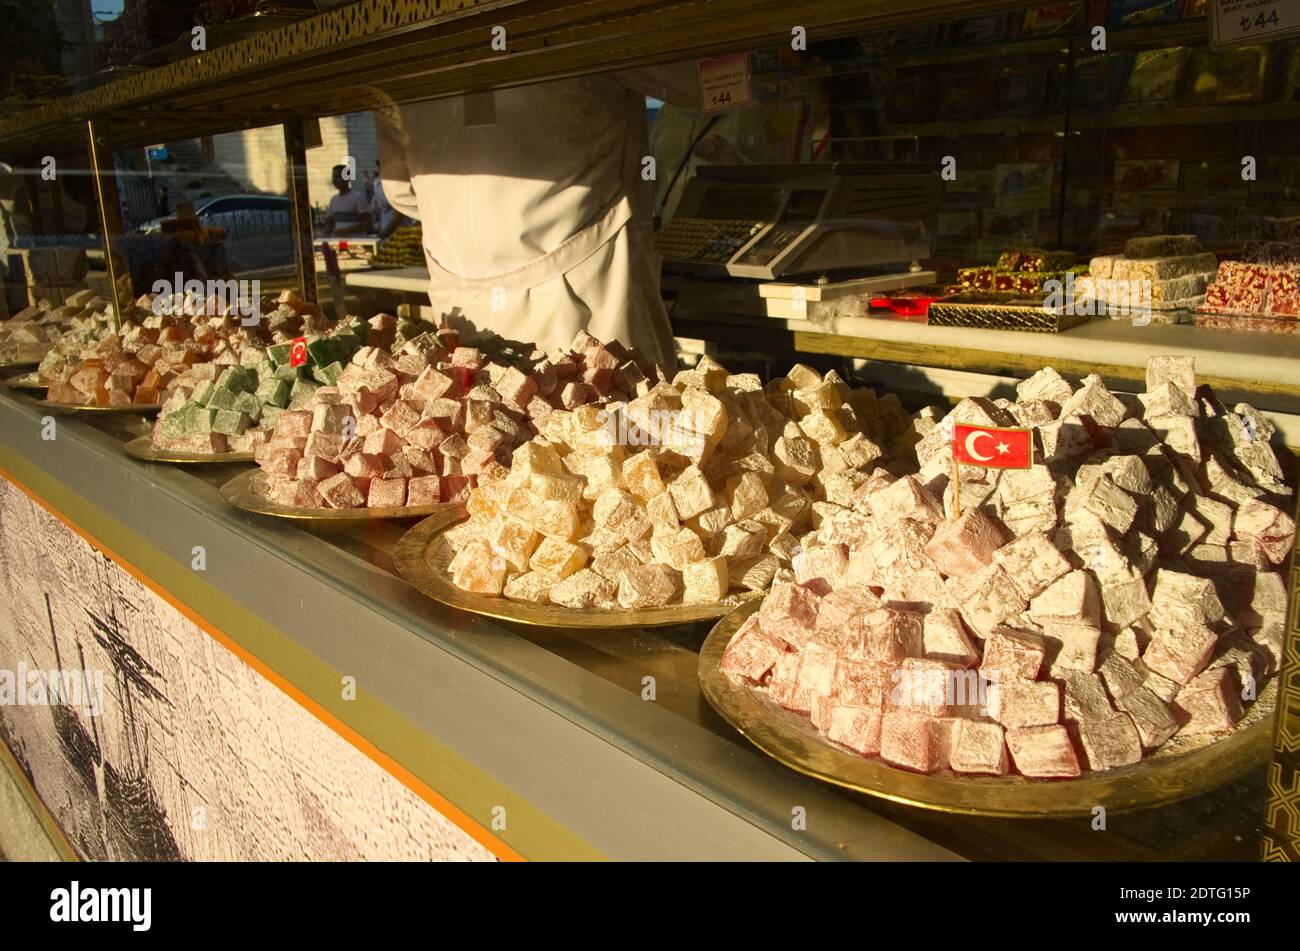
x=17 y=365
x=1178 y=770
x=142 y=447
x=27 y=383
x=422 y=556
x=248 y=492
x=132 y=410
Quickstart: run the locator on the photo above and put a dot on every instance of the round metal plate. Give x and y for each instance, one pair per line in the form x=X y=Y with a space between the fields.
x=248 y=492
x=1183 y=767
x=142 y=447
x=30 y=382
x=422 y=556
x=19 y=365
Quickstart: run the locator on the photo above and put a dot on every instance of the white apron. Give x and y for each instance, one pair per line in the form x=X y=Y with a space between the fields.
x=536 y=219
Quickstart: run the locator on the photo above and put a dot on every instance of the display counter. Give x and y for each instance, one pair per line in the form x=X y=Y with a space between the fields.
x=283 y=694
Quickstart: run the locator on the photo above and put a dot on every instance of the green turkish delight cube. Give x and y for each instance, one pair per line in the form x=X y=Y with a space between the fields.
x=275 y=392
x=302 y=392
x=230 y=422
x=221 y=399
x=203 y=392
x=328 y=375
x=247 y=403
x=321 y=351
x=286 y=372
x=279 y=353
x=237 y=379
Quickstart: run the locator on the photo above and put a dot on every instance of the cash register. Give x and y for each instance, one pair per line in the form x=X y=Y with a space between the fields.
x=770 y=221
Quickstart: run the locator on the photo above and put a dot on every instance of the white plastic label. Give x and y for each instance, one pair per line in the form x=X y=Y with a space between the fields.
x=1247 y=22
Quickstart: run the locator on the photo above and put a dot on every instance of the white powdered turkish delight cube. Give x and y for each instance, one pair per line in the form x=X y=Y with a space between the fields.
x=944 y=636
x=1084 y=697
x=967 y=544
x=1032 y=563
x=1152 y=716
x=1184 y=601
x=1111 y=742
x=986 y=598
x=1267 y=525
x=979 y=748
x=1021 y=703
x=1045 y=752
x=1180 y=654
x=1047 y=385
x=1011 y=654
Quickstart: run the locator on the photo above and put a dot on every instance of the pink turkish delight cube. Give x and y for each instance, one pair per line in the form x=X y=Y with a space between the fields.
x=516 y=387
x=424 y=490
x=1211 y=702
x=857 y=728
x=339 y=492
x=966 y=545
x=915 y=741
x=789 y=612
x=751 y=653
x=386 y=493
x=401 y=417
x=316 y=469
x=1044 y=752
x=385 y=442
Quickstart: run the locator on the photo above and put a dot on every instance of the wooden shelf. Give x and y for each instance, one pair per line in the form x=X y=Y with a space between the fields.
x=375 y=51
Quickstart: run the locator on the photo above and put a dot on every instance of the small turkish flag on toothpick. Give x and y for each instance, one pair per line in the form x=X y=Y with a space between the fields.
x=991 y=447
x=298 y=352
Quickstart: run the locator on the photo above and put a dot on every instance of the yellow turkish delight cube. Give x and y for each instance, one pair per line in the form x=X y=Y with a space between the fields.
x=648 y=586
x=478 y=569
x=704 y=582
x=678 y=549
x=514 y=540
x=746 y=494
x=558 y=558
x=663 y=514
x=692 y=493
x=531 y=586
x=641 y=476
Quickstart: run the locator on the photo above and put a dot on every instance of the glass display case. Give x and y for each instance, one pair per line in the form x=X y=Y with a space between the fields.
x=949 y=205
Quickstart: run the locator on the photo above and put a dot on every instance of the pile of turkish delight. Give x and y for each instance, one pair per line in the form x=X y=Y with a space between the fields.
x=232 y=403
x=1177 y=270
x=690 y=489
x=425 y=424
x=1077 y=615
x=1254 y=297
x=29 y=335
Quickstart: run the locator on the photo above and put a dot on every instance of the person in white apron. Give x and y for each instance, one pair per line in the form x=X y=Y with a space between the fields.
x=535 y=215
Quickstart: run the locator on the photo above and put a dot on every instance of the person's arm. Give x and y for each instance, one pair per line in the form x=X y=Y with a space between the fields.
x=398 y=191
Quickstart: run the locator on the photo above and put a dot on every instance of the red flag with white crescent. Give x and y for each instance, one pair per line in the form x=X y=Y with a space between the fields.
x=992 y=447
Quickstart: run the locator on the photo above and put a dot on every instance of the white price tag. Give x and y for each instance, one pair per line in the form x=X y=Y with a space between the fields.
x=1248 y=22
x=724 y=83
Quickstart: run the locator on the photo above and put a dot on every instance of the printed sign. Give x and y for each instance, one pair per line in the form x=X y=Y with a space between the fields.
x=1248 y=22
x=724 y=83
